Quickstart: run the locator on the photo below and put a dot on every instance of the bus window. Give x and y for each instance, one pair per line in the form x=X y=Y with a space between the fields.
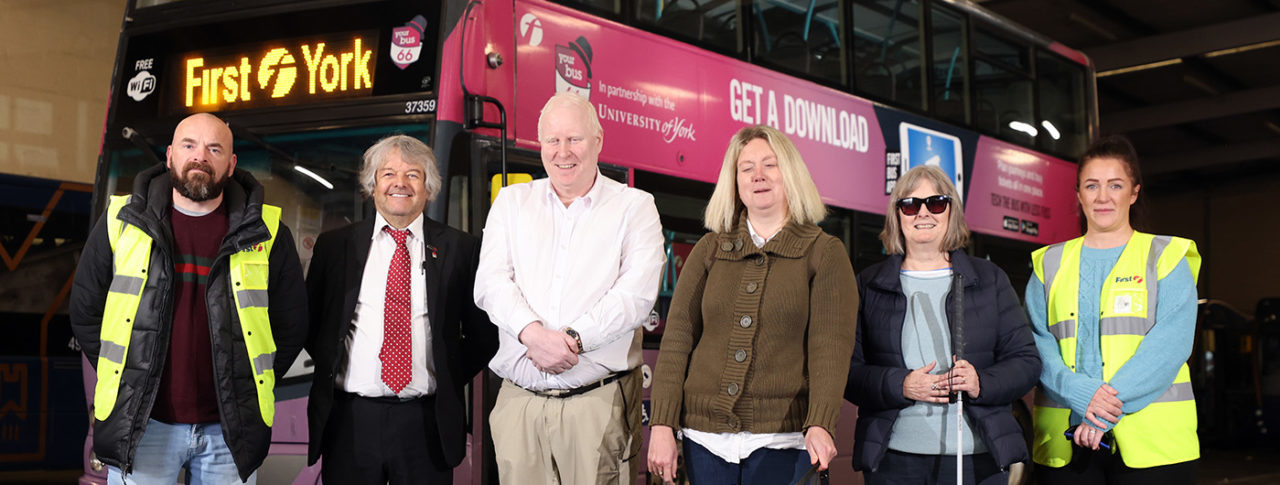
x=950 y=65
x=867 y=248
x=801 y=36
x=1062 y=105
x=887 y=52
x=710 y=23
x=606 y=7
x=1002 y=88
x=839 y=223
x=681 y=204
x=1013 y=257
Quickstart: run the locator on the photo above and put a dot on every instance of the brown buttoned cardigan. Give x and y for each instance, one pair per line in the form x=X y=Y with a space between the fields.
x=758 y=339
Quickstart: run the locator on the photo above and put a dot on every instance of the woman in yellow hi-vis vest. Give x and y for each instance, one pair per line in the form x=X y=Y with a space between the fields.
x=1113 y=313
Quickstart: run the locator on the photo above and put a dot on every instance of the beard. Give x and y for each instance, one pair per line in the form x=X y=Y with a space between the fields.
x=197 y=182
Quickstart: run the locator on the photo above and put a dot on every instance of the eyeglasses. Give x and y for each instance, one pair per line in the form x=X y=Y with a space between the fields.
x=937 y=204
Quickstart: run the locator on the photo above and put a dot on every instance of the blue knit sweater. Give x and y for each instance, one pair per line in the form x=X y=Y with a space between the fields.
x=1144 y=376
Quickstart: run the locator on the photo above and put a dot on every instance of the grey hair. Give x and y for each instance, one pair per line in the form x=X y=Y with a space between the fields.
x=411 y=151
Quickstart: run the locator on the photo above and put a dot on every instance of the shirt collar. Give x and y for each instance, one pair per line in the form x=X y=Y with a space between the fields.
x=589 y=199
x=755 y=238
x=415 y=227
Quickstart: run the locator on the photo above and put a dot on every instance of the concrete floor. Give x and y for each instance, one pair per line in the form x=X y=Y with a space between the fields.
x=1257 y=466
x=1239 y=466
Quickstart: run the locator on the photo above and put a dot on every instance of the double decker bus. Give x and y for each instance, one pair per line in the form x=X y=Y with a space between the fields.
x=865 y=89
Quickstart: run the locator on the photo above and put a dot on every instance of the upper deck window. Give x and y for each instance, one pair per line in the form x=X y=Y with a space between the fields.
x=608 y=7
x=1002 y=88
x=801 y=36
x=710 y=23
x=1064 y=123
x=949 y=65
x=888 y=51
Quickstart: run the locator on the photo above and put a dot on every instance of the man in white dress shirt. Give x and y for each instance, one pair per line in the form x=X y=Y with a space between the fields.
x=569 y=269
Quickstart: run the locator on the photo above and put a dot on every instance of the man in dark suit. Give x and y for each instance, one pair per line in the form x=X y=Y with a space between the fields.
x=394 y=332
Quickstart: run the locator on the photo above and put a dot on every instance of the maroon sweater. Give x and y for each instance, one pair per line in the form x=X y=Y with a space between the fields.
x=187 y=393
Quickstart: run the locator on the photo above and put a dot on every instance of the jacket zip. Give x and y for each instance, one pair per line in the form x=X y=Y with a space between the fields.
x=233 y=313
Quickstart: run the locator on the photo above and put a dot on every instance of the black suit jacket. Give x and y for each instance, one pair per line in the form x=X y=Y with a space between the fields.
x=462 y=338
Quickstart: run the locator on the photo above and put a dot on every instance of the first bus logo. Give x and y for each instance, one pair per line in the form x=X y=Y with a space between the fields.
x=1129 y=279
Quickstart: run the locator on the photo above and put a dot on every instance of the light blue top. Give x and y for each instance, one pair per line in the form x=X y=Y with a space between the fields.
x=1146 y=375
x=929 y=428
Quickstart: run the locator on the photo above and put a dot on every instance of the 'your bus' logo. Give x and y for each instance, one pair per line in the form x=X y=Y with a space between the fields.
x=406 y=42
x=573 y=67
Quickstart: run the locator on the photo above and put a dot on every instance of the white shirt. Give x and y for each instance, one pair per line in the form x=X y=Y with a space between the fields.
x=363 y=371
x=735 y=447
x=593 y=266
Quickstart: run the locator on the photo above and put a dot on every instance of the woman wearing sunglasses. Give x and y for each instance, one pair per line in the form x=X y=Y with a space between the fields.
x=1114 y=315
x=935 y=322
x=751 y=367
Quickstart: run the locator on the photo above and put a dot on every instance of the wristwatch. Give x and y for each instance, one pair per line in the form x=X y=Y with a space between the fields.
x=574 y=333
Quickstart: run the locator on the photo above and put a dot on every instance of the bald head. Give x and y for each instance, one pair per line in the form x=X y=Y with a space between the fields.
x=200 y=161
x=206 y=124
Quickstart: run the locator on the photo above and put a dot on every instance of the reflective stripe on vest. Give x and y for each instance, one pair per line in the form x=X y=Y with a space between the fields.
x=131 y=254
x=131 y=249
x=1162 y=433
x=250 y=272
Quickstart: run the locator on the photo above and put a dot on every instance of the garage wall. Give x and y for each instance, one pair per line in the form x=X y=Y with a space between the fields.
x=56 y=57
x=1237 y=227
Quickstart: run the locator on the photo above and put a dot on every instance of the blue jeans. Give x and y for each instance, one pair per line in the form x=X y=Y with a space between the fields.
x=167 y=449
x=765 y=466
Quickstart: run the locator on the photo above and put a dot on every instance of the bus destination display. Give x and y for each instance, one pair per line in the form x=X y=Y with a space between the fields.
x=277 y=73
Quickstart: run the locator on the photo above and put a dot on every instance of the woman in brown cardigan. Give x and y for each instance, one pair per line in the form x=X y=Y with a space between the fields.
x=752 y=366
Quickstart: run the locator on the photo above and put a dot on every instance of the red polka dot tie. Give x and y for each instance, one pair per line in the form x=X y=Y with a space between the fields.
x=397 y=353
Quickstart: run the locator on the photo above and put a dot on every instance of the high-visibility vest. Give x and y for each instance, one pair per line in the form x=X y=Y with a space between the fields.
x=249 y=271
x=1162 y=433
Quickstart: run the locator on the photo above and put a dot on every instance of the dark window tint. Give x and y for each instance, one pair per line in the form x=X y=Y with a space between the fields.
x=949 y=65
x=710 y=23
x=1064 y=119
x=887 y=52
x=801 y=36
x=597 y=6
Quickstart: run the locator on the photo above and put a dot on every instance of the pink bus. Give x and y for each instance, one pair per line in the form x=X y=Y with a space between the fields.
x=866 y=89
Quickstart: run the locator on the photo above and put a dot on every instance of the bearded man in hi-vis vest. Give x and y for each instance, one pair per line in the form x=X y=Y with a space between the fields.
x=1113 y=313
x=188 y=301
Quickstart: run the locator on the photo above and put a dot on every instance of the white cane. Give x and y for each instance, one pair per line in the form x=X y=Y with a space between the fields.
x=957 y=342
x=959 y=438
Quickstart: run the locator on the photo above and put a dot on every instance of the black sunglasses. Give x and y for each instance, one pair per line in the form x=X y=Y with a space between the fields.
x=910 y=206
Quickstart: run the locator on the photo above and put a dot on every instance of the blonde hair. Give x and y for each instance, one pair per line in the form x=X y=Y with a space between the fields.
x=584 y=108
x=804 y=205
x=412 y=151
x=957 y=235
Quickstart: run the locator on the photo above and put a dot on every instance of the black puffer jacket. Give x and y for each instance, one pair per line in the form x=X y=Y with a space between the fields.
x=116 y=439
x=998 y=343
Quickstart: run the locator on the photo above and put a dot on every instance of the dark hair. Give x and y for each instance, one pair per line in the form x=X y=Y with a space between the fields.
x=1120 y=148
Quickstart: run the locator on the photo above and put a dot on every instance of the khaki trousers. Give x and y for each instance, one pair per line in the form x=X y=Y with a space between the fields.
x=579 y=440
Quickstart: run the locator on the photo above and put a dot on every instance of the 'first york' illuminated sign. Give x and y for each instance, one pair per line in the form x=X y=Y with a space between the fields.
x=279 y=73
